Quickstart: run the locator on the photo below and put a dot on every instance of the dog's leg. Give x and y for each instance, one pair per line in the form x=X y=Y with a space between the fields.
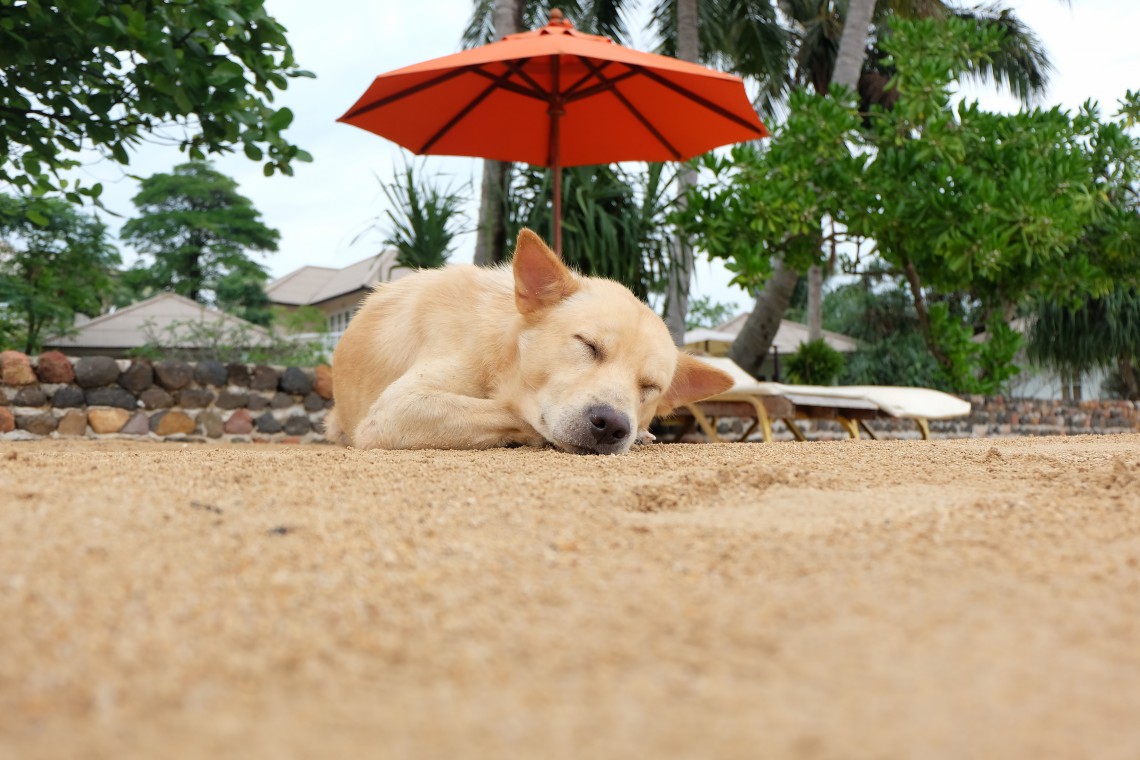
x=414 y=413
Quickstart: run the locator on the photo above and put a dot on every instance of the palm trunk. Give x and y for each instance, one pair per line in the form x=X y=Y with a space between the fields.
x=853 y=43
x=491 y=235
x=815 y=303
x=848 y=68
x=755 y=338
x=681 y=267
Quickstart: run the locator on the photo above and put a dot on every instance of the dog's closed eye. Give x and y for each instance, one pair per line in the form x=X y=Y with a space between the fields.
x=595 y=350
x=648 y=390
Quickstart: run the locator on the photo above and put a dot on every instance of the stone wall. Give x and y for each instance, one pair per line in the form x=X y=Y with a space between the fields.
x=990 y=417
x=55 y=396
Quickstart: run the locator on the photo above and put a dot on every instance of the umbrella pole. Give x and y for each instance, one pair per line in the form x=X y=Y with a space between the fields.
x=556 y=110
x=558 y=209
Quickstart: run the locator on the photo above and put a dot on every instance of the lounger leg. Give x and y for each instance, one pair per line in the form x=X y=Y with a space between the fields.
x=764 y=420
x=748 y=432
x=703 y=421
x=923 y=427
x=848 y=425
x=867 y=428
x=799 y=434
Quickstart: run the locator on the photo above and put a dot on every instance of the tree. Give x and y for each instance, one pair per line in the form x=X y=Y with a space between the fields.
x=422 y=220
x=49 y=272
x=195 y=229
x=976 y=212
x=704 y=312
x=105 y=76
x=491 y=233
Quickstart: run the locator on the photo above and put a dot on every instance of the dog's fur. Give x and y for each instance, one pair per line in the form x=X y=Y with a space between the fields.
x=471 y=358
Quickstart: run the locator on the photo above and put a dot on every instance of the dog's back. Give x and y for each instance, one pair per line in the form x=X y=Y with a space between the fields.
x=441 y=313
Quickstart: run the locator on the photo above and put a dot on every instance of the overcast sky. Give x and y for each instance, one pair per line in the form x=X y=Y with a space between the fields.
x=333 y=201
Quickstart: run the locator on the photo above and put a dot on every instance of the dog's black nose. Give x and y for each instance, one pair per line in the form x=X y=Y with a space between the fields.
x=607 y=424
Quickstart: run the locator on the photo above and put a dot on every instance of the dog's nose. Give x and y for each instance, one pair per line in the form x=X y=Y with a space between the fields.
x=607 y=424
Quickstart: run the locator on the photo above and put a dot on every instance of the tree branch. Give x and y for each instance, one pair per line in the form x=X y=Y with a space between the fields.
x=924 y=315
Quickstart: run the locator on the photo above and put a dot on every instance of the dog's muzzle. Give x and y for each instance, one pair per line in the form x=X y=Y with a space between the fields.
x=600 y=429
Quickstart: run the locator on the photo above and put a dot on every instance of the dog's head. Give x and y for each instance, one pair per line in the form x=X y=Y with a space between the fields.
x=597 y=364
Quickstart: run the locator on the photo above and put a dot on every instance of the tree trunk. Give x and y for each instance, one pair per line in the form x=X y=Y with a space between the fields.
x=853 y=43
x=924 y=317
x=1128 y=376
x=848 y=68
x=755 y=338
x=491 y=234
x=815 y=303
x=681 y=266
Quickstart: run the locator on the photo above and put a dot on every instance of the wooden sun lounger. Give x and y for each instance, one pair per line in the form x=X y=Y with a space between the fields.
x=850 y=406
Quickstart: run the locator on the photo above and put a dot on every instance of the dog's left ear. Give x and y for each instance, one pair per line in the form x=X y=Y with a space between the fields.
x=692 y=381
x=541 y=279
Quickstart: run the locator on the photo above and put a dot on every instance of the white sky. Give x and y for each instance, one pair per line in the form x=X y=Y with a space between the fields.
x=332 y=202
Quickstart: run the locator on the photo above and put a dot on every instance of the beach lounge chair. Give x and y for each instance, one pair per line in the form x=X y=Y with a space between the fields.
x=851 y=406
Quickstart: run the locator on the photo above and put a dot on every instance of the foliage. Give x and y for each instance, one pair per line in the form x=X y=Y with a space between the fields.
x=613 y=220
x=226 y=341
x=104 y=76
x=977 y=212
x=1099 y=332
x=195 y=228
x=772 y=200
x=301 y=319
x=704 y=312
x=891 y=347
x=423 y=219
x=49 y=272
x=814 y=363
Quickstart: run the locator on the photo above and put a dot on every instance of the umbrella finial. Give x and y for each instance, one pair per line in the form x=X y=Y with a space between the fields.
x=556 y=18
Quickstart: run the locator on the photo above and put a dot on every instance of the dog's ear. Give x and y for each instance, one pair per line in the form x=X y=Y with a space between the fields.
x=541 y=279
x=692 y=381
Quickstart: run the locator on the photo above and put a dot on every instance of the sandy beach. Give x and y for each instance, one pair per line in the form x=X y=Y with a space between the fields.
x=849 y=599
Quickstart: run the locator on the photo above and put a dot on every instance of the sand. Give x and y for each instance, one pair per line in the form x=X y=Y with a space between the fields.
x=855 y=599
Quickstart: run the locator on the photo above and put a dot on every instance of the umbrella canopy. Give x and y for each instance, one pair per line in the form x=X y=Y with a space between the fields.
x=557 y=97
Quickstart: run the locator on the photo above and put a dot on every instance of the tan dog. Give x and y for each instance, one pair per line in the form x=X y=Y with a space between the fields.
x=471 y=358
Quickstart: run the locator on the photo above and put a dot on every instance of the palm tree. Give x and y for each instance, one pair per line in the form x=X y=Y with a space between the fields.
x=681 y=268
x=491 y=232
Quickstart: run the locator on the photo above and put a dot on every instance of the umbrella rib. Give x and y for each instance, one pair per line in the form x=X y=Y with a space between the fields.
x=705 y=102
x=569 y=91
x=536 y=92
x=406 y=92
x=632 y=109
x=498 y=81
x=607 y=84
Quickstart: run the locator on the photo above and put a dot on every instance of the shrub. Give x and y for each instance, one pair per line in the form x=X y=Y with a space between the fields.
x=814 y=363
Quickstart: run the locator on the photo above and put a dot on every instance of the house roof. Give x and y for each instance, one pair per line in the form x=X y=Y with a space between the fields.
x=787 y=341
x=312 y=285
x=128 y=327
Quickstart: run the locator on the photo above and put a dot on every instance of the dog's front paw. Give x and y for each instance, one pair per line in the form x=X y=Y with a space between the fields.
x=644 y=436
x=529 y=438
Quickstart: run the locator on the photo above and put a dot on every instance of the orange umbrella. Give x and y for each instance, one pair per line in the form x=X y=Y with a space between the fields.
x=557 y=97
